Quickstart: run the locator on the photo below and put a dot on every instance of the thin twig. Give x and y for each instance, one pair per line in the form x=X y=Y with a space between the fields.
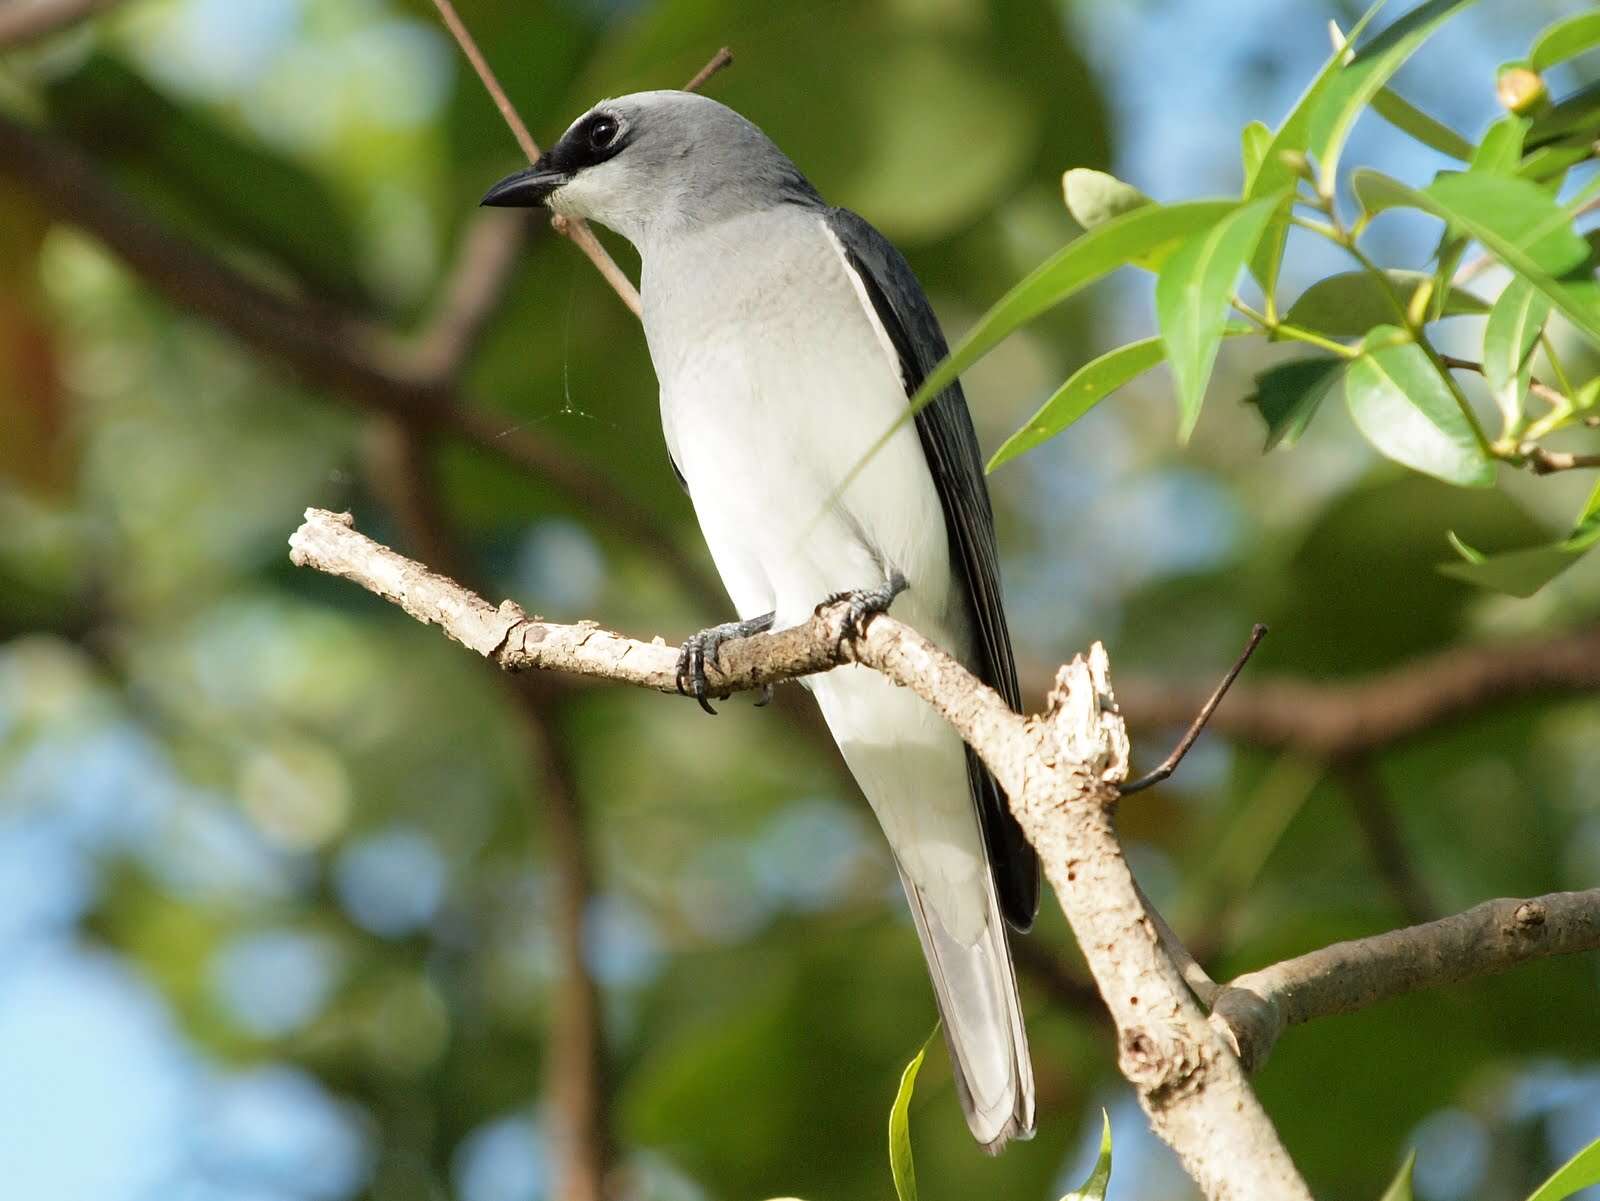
x=1545 y=462
x=722 y=58
x=1170 y=765
x=1535 y=385
x=571 y=227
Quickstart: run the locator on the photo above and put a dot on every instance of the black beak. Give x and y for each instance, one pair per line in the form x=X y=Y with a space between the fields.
x=526 y=189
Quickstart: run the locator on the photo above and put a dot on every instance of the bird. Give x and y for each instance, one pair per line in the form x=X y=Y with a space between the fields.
x=787 y=336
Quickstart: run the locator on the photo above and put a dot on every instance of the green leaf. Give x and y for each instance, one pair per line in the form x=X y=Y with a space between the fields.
x=1274 y=173
x=1093 y=197
x=1404 y=407
x=1521 y=573
x=1295 y=132
x=1287 y=396
x=1564 y=40
x=1360 y=81
x=1253 y=142
x=1349 y=304
x=1094 y=1187
x=1577 y=115
x=1581 y=1171
x=1500 y=152
x=1192 y=293
x=901 y=1164
x=1400 y=1188
x=1408 y=118
x=1509 y=337
x=1153 y=230
x=1517 y=222
x=1084 y=389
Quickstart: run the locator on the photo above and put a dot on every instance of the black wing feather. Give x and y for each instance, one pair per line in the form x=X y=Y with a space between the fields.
x=951 y=445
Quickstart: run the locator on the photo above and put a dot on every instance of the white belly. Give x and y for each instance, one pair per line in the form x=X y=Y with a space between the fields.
x=775 y=382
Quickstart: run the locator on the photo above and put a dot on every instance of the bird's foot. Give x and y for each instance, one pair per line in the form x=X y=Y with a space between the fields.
x=865 y=603
x=691 y=677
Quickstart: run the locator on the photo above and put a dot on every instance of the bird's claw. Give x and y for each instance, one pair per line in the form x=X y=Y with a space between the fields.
x=865 y=603
x=691 y=671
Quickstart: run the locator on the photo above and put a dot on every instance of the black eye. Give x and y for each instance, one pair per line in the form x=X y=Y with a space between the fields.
x=602 y=132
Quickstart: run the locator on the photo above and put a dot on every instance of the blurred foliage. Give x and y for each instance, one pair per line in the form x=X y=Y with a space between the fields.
x=277 y=879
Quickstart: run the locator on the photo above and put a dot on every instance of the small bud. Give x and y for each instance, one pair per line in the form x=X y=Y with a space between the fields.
x=1297 y=162
x=1521 y=89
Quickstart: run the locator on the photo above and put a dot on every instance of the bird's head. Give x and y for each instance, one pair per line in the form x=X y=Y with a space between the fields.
x=656 y=160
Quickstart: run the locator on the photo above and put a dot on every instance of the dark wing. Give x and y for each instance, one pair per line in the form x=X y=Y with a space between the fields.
x=951 y=445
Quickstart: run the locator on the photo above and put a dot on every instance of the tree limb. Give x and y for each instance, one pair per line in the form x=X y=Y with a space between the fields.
x=1335 y=721
x=1486 y=939
x=1061 y=769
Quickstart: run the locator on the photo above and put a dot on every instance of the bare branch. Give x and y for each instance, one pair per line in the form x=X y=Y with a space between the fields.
x=721 y=59
x=1544 y=462
x=23 y=22
x=1335 y=721
x=1170 y=764
x=571 y=227
x=1060 y=768
x=1488 y=938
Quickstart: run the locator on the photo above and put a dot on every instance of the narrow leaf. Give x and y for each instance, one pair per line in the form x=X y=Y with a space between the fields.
x=901 y=1164
x=1500 y=152
x=1287 y=396
x=1522 y=573
x=1516 y=221
x=1509 y=338
x=1084 y=389
x=1403 y=406
x=1274 y=173
x=1581 y=1171
x=1192 y=293
x=1151 y=230
x=1400 y=1188
x=1364 y=77
x=1093 y=197
x=1577 y=115
x=1349 y=304
x=1564 y=40
x=1408 y=118
x=1094 y=1186
x=1253 y=143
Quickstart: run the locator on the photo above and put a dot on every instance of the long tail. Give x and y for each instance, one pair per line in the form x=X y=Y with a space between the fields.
x=976 y=988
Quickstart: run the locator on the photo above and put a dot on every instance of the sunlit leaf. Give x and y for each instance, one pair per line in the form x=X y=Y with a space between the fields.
x=1093 y=197
x=1517 y=222
x=901 y=1164
x=1287 y=396
x=1274 y=172
x=1404 y=407
x=1095 y=1184
x=1579 y=1172
x=1408 y=118
x=1349 y=304
x=1509 y=338
x=1253 y=143
x=1355 y=86
x=1574 y=116
x=1500 y=151
x=1400 y=1188
x=1192 y=293
x=1154 y=230
x=1085 y=388
x=1565 y=39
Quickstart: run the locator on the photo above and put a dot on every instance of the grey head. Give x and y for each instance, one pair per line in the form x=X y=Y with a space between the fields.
x=653 y=163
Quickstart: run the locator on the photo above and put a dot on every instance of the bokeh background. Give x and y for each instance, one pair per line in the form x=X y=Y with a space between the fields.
x=298 y=902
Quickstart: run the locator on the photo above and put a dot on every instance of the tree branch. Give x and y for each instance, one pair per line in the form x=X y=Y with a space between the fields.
x=1060 y=768
x=1335 y=721
x=1487 y=939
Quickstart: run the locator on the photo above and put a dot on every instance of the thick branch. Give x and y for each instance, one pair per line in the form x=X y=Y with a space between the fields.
x=1061 y=770
x=1335 y=721
x=1488 y=938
